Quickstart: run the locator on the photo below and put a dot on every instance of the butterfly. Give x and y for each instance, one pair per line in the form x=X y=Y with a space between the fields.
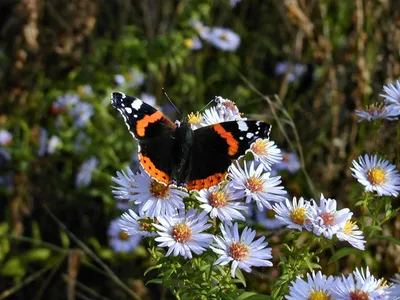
x=172 y=153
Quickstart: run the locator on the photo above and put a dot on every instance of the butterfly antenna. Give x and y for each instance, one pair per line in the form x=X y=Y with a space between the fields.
x=166 y=95
x=206 y=105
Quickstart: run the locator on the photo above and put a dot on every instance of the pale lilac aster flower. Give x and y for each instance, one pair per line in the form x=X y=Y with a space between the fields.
x=325 y=218
x=211 y=116
x=84 y=176
x=126 y=182
x=266 y=152
x=218 y=202
x=193 y=43
x=183 y=233
x=4 y=156
x=253 y=184
x=360 y=285
x=294 y=214
x=119 y=240
x=317 y=286
x=375 y=112
x=394 y=290
x=155 y=198
x=203 y=31
x=87 y=89
x=53 y=144
x=224 y=39
x=289 y=162
x=81 y=113
x=350 y=232
x=119 y=79
x=135 y=224
x=227 y=109
x=43 y=138
x=81 y=141
x=65 y=102
x=293 y=71
x=241 y=250
x=148 y=98
x=5 y=137
x=268 y=220
x=377 y=174
x=392 y=93
x=234 y=2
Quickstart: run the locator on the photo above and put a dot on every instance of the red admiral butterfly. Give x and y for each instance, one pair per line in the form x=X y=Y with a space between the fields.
x=195 y=159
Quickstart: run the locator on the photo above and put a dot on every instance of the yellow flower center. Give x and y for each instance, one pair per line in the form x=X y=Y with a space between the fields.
x=286 y=158
x=159 y=189
x=376 y=176
x=145 y=224
x=259 y=147
x=329 y=219
x=255 y=184
x=348 y=227
x=359 y=295
x=319 y=295
x=189 y=43
x=218 y=199
x=239 y=251
x=123 y=235
x=229 y=105
x=224 y=37
x=270 y=213
x=298 y=215
x=181 y=233
x=194 y=118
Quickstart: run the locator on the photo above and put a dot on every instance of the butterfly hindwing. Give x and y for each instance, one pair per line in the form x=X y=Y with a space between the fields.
x=215 y=147
x=143 y=120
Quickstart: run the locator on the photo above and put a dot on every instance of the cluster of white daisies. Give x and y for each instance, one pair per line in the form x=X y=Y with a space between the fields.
x=159 y=209
x=360 y=284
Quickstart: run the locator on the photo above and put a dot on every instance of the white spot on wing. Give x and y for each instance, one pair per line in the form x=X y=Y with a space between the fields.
x=128 y=110
x=241 y=138
x=135 y=116
x=249 y=135
x=123 y=95
x=137 y=104
x=242 y=126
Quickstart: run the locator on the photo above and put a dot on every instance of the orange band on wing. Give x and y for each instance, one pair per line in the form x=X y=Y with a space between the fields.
x=232 y=142
x=143 y=123
x=152 y=170
x=210 y=181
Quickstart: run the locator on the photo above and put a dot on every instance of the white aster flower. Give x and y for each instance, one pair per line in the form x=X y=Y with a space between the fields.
x=119 y=79
x=203 y=31
x=290 y=162
x=377 y=174
x=53 y=144
x=119 y=239
x=155 y=198
x=253 y=184
x=317 y=286
x=135 y=224
x=182 y=233
x=65 y=102
x=218 y=202
x=84 y=176
x=211 y=116
x=126 y=182
x=224 y=39
x=360 y=285
x=241 y=250
x=227 y=109
x=394 y=290
x=148 y=98
x=392 y=95
x=5 y=137
x=350 y=232
x=266 y=152
x=268 y=220
x=294 y=214
x=325 y=218
x=375 y=112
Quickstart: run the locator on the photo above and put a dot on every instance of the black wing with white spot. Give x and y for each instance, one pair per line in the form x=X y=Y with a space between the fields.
x=143 y=121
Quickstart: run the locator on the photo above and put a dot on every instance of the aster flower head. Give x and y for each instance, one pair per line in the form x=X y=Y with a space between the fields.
x=81 y=113
x=195 y=120
x=126 y=182
x=349 y=232
x=137 y=224
x=293 y=214
x=155 y=198
x=183 y=233
x=290 y=162
x=241 y=250
x=377 y=174
x=360 y=285
x=326 y=219
x=255 y=184
x=317 y=286
x=394 y=290
x=227 y=109
x=119 y=239
x=293 y=71
x=201 y=29
x=148 y=98
x=224 y=39
x=392 y=93
x=267 y=218
x=266 y=152
x=378 y=111
x=218 y=202
x=65 y=102
x=5 y=137
x=193 y=43
x=84 y=176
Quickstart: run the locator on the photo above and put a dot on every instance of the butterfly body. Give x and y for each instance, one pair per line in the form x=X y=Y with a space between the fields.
x=195 y=159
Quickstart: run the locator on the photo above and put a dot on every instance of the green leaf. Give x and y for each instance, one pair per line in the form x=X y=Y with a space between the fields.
x=65 y=242
x=3 y=228
x=240 y=277
x=374 y=228
x=342 y=253
x=152 y=268
x=156 y=281
x=37 y=254
x=260 y=297
x=387 y=238
x=245 y=295
x=13 y=267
